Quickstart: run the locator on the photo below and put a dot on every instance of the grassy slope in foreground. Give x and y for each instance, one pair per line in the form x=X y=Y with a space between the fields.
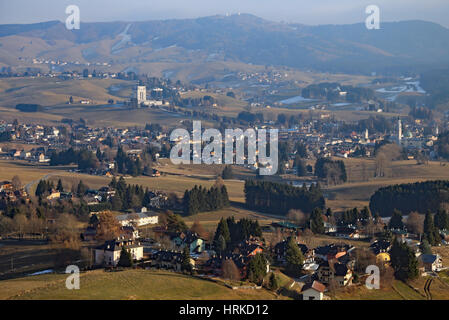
x=129 y=284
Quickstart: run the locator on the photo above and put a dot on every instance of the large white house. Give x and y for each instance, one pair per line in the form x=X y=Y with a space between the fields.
x=138 y=219
x=108 y=254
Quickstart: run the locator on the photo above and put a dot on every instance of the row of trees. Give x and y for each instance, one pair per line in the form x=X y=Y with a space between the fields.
x=419 y=196
x=200 y=199
x=128 y=196
x=84 y=158
x=330 y=92
x=354 y=216
x=45 y=187
x=280 y=198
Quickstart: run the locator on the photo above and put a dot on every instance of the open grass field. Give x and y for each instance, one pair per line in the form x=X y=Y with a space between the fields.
x=362 y=184
x=53 y=91
x=168 y=183
x=209 y=220
x=24 y=257
x=178 y=178
x=398 y=290
x=53 y=94
x=27 y=172
x=125 y=285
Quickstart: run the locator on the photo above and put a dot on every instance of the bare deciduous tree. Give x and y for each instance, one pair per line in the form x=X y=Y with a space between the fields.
x=16 y=182
x=108 y=226
x=415 y=223
x=230 y=270
x=199 y=229
x=297 y=216
x=385 y=155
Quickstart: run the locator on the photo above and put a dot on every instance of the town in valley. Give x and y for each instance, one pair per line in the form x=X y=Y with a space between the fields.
x=357 y=208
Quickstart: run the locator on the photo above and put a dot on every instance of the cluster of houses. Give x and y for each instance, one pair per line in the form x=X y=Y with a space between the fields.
x=324 y=266
x=11 y=194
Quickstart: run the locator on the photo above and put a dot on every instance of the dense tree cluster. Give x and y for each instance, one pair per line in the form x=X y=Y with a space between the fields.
x=44 y=187
x=172 y=222
x=374 y=124
x=29 y=107
x=421 y=113
x=249 y=117
x=84 y=158
x=230 y=233
x=5 y=136
x=331 y=92
x=205 y=101
x=200 y=199
x=279 y=198
x=128 y=196
x=127 y=164
x=419 y=196
x=403 y=261
x=353 y=216
x=436 y=84
x=333 y=171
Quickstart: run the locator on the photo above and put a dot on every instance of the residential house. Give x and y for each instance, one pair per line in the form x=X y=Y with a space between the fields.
x=108 y=254
x=313 y=291
x=165 y=259
x=6 y=186
x=250 y=248
x=337 y=272
x=139 y=219
x=381 y=248
x=54 y=195
x=195 y=243
x=280 y=250
x=332 y=251
x=431 y=262
x=346 y=233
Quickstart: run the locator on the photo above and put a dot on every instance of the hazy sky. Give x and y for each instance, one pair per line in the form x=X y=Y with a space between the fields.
x=302 y=11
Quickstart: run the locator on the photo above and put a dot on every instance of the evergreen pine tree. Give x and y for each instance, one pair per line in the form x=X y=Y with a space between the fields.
x=431 y=233
x=60 y=188
x=293 y=257
x=81 y=189
x=403 y=261
x=396 y=220
x=126 y=259
x=222 y=231
x=316 y=222
x=442 y=220
x=274 y=282
x=257 y=269
x=185 y=260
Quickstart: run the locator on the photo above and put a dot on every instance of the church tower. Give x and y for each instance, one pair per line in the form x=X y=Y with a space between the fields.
x=141 y=95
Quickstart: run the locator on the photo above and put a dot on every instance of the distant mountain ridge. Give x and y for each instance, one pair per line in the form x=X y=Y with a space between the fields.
x=243 y=38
